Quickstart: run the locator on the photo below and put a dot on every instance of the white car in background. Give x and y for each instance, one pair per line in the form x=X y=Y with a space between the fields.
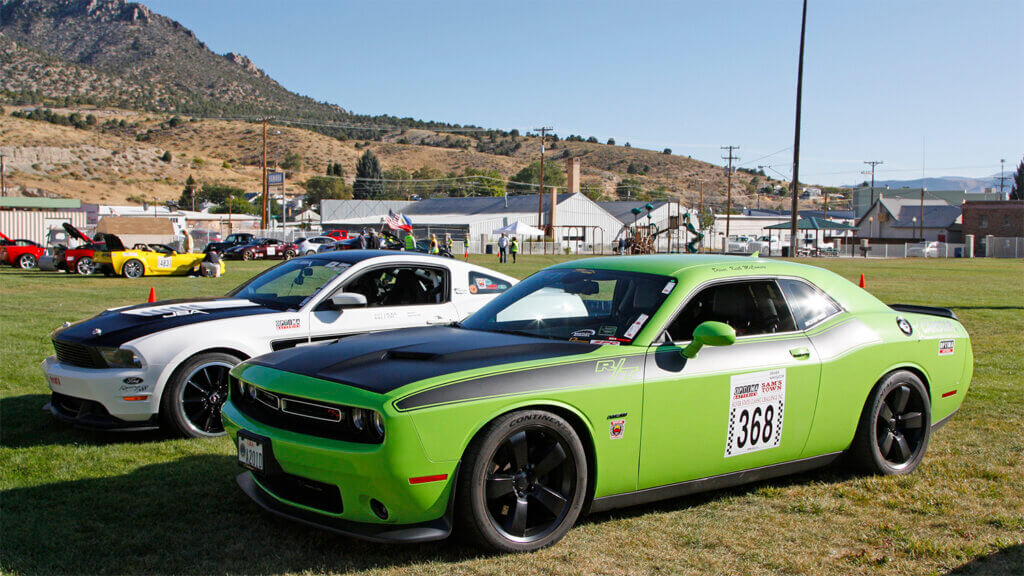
x=923 y=250
x=167 y=362
x=312 y=245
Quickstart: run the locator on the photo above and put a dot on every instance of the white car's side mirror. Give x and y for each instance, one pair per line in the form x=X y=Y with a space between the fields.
x=348 y=300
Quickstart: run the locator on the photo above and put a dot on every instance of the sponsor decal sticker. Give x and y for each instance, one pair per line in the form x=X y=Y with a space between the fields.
x=668 y=287
x=288 y=323
x=936 y=328
x=586 y=333
x=186 y=312
x=635 y=328
x=946 y=347
x=608 y=342
x=135 y=388
x=472 y=288
x=616 y=429
x=385 y=316
x=607 y=330
x=756 y=404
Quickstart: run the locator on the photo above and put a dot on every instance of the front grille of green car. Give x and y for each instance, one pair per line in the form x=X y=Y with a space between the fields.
x=300 y=415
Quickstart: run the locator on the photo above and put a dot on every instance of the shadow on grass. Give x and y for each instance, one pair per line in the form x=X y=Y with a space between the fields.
x=1009 y=560
x=986 y=307
x=26 y=424
x=185 y=516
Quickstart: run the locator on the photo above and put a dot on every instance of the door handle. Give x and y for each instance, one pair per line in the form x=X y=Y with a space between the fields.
x=800 y=353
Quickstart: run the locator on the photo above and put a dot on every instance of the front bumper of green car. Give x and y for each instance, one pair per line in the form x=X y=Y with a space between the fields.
x=385 y=492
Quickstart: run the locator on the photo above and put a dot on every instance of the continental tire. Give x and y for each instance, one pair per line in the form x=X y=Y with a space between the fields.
x=133 y=269
x=894 y=427
x=192 y=400
x=523 y=482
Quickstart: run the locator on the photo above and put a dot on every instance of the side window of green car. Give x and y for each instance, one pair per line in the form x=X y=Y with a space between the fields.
x=750 y=307
x=810 y=305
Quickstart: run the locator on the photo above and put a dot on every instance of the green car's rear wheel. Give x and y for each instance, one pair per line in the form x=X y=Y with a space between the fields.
x=523 y=482
x=895 y=426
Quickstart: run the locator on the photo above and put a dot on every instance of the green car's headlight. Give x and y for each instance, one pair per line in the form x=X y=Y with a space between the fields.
x=120 y=358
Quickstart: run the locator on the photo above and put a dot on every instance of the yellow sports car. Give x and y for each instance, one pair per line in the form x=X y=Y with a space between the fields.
x=146 y=260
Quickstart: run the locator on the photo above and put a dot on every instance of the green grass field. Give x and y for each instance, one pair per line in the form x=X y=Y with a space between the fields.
x=79 y=502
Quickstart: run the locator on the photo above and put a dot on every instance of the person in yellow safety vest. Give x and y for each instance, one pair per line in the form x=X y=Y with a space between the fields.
x=465 y=244
x=514 y=248
x=433 y=244
x=410 y=242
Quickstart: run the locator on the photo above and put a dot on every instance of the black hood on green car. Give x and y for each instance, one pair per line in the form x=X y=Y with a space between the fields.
x=384 y=361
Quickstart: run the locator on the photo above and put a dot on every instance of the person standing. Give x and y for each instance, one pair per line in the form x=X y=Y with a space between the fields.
x=434 y=249
x=465 y=245
x=514 y=248
x=410 y=241
x=448 y=242
x=362 y=239
x=374 y=242
x=503 y=249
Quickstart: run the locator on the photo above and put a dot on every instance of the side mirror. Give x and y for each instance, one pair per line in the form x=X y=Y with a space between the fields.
x=709 y=334
x=348 y=300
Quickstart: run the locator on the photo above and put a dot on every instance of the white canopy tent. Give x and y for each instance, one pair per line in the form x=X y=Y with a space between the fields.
x=518 y=228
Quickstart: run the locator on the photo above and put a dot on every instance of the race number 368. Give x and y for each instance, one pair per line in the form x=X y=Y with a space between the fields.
x=756 y=405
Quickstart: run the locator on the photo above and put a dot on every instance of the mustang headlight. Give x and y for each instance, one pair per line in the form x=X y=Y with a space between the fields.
x=120 y=358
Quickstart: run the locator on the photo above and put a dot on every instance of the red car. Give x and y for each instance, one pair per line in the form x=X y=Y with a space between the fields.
x=262 y=248
x=77 y=260
x=21 y=253
x=336 y=234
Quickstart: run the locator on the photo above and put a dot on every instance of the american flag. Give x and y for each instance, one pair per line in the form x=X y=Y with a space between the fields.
x=398 y=221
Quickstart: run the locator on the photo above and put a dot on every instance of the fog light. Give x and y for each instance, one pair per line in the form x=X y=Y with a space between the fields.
x=379 y=509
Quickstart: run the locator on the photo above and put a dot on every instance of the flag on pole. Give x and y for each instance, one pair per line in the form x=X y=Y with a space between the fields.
x=398 y=221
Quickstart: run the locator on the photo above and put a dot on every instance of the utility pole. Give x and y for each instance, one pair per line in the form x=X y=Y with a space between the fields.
x=921 y=233
x=700 y=210
x=3 y=176
x=1003 y=178
x=263 y=218
x=540 y=193
x=728 y=190
x=796 y=136
x=872 y=163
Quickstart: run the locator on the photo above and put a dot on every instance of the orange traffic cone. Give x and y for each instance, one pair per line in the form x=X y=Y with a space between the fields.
x=862 y=284
x=152 y=291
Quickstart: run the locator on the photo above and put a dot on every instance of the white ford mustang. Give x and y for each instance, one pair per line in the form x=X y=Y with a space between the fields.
x=167 y=362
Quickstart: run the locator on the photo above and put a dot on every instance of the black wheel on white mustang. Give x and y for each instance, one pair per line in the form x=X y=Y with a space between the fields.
x=193 y=398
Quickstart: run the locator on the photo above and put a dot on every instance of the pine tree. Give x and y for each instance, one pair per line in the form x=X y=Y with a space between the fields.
x=1017 y=192
x=368 y=183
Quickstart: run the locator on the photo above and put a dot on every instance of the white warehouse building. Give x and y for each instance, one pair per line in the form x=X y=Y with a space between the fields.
x=581 y=224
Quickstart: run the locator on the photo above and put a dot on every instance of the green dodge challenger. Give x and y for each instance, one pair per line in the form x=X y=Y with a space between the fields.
x=592 y=385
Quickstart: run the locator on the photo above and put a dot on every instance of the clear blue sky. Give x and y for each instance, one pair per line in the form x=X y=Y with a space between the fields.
x=932 y=82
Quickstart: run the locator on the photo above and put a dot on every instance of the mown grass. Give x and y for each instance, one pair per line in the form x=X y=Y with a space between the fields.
x=79 y=502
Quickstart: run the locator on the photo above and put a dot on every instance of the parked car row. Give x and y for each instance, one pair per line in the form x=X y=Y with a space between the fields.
x=391 y=396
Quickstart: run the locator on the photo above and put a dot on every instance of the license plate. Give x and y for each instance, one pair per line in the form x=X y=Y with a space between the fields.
x=250 y=453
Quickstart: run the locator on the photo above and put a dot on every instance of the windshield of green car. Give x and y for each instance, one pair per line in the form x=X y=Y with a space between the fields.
x=291 y=284
x=576 y=304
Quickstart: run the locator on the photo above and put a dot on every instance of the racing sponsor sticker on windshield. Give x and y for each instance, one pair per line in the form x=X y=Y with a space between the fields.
x=756 y=404
x=608 y=342
x=288 y=323
x=946 y=347
x=607 y=330
x=635 y=328
x=668 y=287
x=585 y=333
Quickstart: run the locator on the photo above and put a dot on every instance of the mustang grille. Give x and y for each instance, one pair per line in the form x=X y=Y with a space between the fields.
x=78 y=355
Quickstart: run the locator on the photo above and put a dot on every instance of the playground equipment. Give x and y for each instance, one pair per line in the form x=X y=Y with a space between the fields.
x=643 y=237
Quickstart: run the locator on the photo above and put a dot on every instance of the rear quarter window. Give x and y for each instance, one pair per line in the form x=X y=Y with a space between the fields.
x=486 y=284
x=808 y=303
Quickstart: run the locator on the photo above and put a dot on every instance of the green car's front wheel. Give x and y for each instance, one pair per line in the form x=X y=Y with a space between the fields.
x=895 y=425
x=523 y=482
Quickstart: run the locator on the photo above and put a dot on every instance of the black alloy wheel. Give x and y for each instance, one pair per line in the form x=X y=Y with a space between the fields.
x=193 y=399
x=523 y=483
x=895 y=426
